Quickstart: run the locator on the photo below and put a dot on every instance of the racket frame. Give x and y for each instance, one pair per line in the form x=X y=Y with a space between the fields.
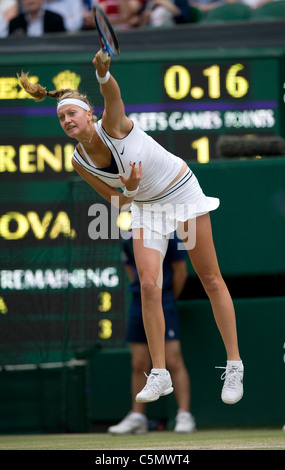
x=106 y=47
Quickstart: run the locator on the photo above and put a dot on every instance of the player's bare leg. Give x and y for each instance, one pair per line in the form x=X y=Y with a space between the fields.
x=149 y=267
x=204 y=260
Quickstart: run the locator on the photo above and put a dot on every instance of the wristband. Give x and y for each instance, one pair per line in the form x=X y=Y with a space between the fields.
x=103 y=80
x=128 y=193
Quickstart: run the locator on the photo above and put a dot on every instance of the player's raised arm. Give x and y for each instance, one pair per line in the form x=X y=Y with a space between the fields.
x=114 y=118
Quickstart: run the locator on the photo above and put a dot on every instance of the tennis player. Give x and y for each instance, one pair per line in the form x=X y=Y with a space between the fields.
x=164 y=195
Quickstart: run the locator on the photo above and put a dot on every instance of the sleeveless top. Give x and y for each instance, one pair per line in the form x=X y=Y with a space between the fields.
x=159 y=167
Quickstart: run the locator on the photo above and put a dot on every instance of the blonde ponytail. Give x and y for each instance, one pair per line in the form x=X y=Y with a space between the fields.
x=35 y=90
x=39 y=93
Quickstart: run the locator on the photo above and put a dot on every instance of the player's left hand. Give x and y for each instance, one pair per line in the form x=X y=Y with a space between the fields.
x=132 y=182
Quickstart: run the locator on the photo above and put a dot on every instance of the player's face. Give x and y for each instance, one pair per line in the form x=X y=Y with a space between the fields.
x=73 y=120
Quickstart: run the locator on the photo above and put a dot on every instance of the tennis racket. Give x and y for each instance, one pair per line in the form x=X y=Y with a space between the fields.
x=108 y=39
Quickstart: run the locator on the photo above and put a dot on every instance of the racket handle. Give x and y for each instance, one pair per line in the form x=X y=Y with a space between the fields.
x=103 y=55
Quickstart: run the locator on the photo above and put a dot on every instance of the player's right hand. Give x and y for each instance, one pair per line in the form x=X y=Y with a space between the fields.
x=101 y=67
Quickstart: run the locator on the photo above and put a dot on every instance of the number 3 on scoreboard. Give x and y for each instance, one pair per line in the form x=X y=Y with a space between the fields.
x=105 y=301
x=105 y=329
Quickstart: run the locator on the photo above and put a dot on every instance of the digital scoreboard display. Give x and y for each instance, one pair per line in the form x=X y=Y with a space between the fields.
x=62 y=283
x=201 y=102
x=63 y=291
x=186 y=104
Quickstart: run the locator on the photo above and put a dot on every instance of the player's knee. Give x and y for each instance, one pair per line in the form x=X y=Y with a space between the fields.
x=212 y=282
x=148 y=287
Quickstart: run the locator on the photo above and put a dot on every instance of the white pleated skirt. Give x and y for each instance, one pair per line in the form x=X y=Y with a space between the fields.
x=160 y=216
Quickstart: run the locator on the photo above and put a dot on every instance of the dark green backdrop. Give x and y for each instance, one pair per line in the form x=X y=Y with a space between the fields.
x=58 y=285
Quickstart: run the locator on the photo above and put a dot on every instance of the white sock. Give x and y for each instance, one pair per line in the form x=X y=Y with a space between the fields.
x=159 y=371
x=135 y=414
x=182 y=412
x=235 y=363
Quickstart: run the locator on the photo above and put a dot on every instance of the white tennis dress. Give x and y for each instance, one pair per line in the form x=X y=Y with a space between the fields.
x=159 y=214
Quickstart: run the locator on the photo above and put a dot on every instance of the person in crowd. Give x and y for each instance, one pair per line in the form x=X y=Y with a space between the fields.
x=35 y=21
x=88 y=21
x=122 y=14
x=206 y=5
x=174 y=278
x=252 y=3
x=9 y=9
x=163 y=13
x=71 y=12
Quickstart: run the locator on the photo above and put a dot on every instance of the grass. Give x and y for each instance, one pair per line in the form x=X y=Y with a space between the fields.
x=258 y=439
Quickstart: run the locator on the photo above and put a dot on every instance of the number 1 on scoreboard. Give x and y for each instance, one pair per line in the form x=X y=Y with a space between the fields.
x=203 y=150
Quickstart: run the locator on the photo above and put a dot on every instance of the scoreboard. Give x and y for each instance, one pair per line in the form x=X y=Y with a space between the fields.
x=63 y=290
x=62 y=287
x=199 y=100
x=184 y=100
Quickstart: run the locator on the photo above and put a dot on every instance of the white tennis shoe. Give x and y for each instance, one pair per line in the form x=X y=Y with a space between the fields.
x=157 y=385
x=232 y=390
x=133 y=423
x=185 y=422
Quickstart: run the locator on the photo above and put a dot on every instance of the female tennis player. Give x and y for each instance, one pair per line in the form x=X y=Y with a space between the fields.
x=164 y=195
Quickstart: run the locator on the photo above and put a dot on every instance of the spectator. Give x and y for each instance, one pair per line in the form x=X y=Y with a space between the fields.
x=252 y=3
x=8 y=10
x=166 y=13
x=35 y=20
x=71 y=12
x=123 y=14
x=88 y=22
x=174 y=277
x=206 y=5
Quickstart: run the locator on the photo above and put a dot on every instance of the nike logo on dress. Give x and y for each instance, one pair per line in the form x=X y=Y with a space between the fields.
x=122 y=152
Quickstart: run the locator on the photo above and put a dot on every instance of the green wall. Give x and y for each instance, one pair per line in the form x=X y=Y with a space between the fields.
x=92 y=397
x=260 y=325
x=249 y=235
x=249 y=226
x=249 y=232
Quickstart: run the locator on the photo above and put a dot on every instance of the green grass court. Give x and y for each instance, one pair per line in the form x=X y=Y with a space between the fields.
x=256 y=439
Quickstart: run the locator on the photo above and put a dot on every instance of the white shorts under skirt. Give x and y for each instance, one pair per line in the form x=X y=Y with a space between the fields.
x=160 y=216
